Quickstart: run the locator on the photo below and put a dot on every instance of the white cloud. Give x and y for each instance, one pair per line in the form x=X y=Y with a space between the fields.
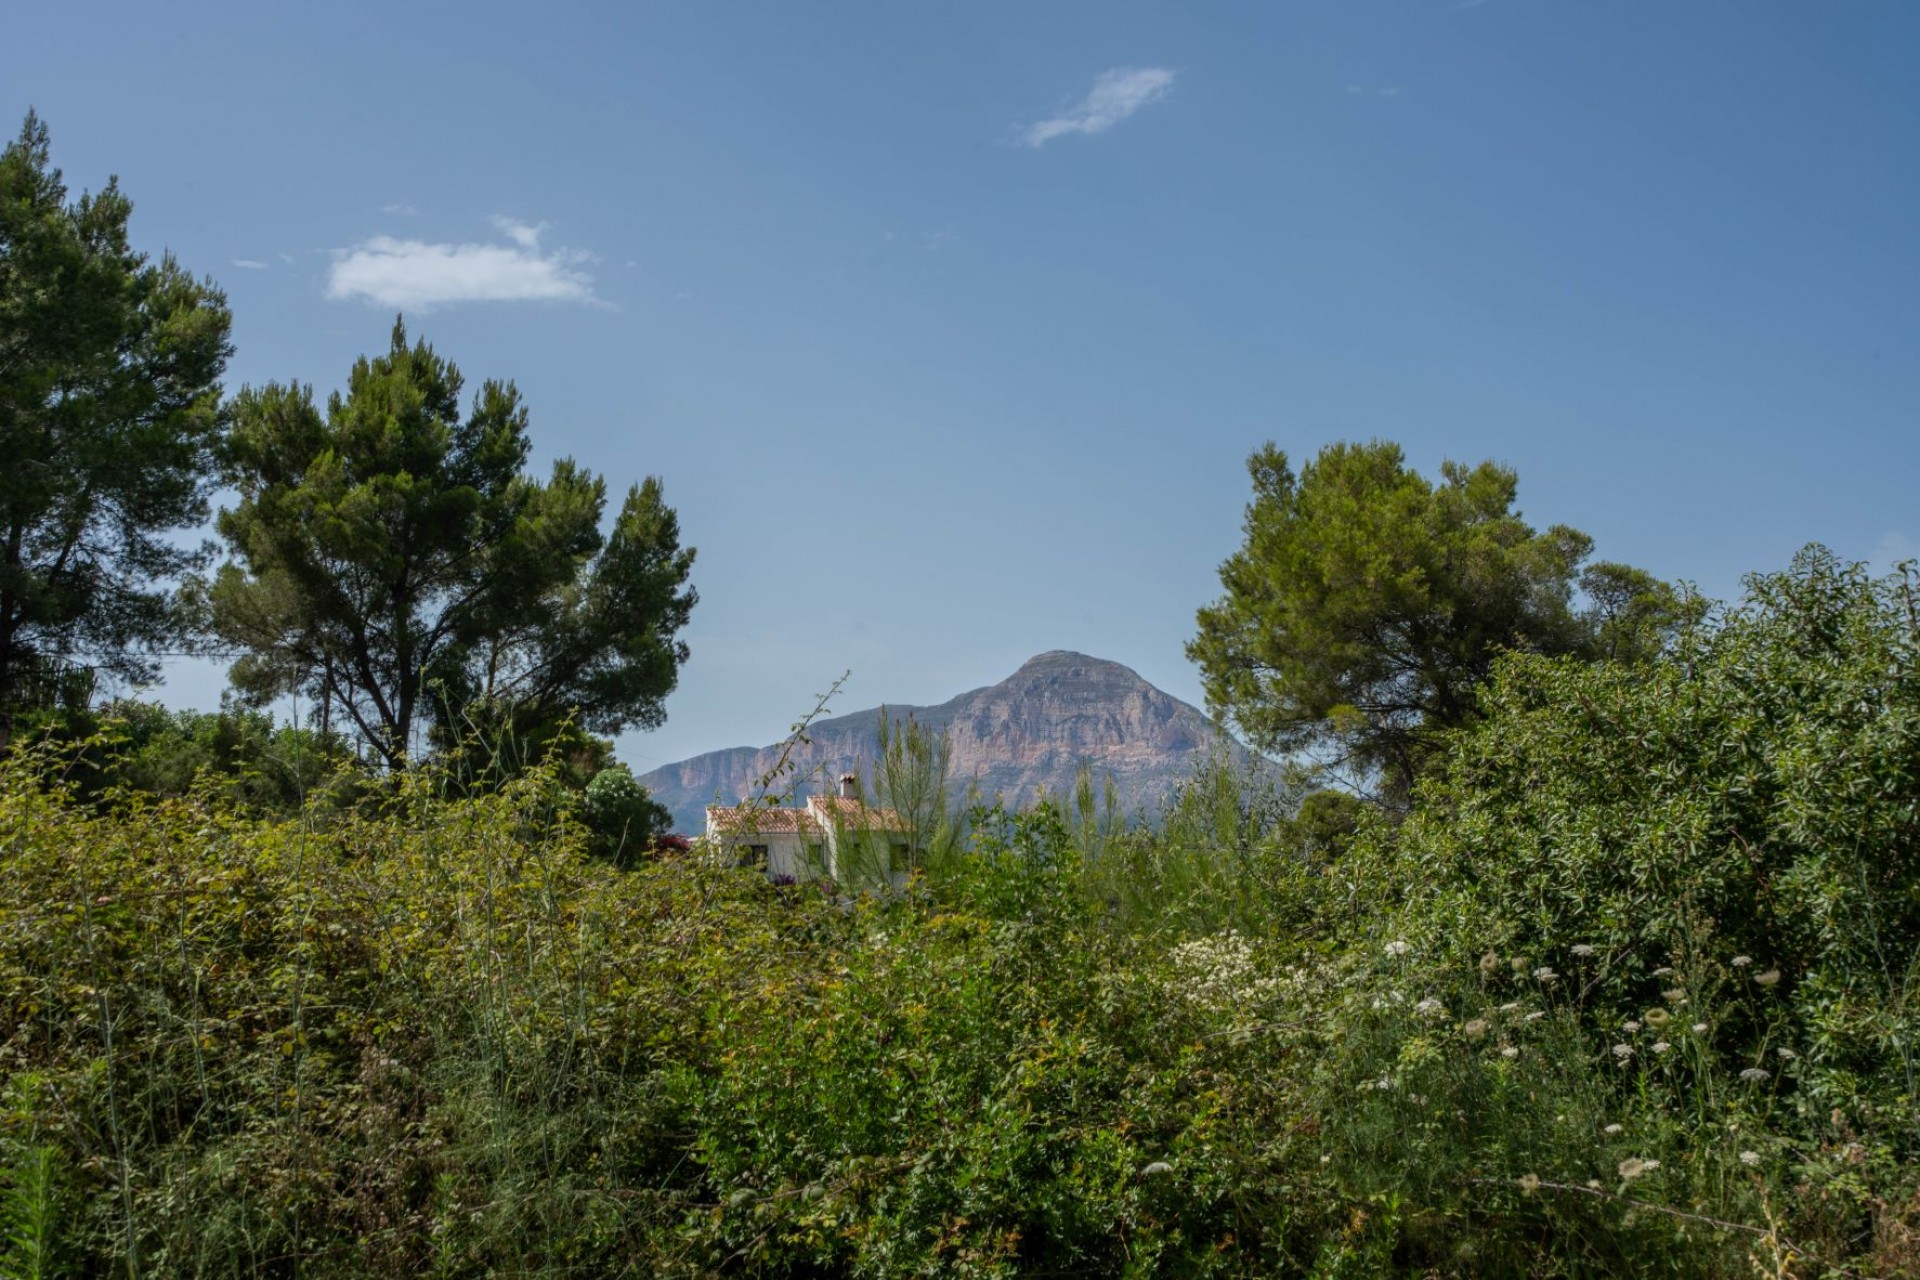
x=1115 y=95
x=420 y=275
x=249 y=264
x=527 y=237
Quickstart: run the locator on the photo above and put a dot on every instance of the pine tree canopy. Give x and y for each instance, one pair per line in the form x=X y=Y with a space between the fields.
x=393 y=559
x=109 y=414
x=1368 y=604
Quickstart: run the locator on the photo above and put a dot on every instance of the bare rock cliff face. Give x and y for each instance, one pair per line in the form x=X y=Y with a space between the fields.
x=1032 y=730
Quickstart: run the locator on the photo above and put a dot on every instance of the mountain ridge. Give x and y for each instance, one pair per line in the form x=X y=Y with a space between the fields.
x=1034 y=729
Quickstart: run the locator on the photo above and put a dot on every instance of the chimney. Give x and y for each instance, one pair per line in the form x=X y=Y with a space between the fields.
x=846 y=786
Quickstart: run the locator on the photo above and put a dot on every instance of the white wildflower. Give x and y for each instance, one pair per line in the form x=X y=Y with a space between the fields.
x=1593 y=1184
x=1630 y=1026
x=1535 y=1016
x=1664 y=971
x=1430 y=1008
x=1786 y=1054
x=1741 y=962
x=1614 y=1129
x=1583 y=949
x=1398 y=947
x=1749 y=1158
x=1509 y=1006
x=1700 y=1028
x=1675 y=996
x=1767 y=979
x=1220 y=973
x=1488 y=963
x=1545 y=973
x=1529 y=1182
x=1661 y=1046
x=1754 y=1075
x=1631 y=1168
x=1623 y=1051
x=1475 y=1028
x=1156 y=1168
x=1508 y=1051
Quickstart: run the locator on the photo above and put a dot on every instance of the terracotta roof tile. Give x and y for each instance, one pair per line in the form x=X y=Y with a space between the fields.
x=821 y=812
x=749 y=821
x=853 y=814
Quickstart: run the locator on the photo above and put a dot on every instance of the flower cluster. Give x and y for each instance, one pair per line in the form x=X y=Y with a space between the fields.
x=1220 y=973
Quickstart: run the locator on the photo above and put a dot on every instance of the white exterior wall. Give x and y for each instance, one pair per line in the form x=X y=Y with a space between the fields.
x=867 y=860
x=807 y=855
x=787 y=851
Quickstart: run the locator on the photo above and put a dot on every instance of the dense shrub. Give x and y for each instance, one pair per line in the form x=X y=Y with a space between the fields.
x=1740 y=823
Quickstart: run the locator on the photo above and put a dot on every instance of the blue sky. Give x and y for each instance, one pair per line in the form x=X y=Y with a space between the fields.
x=949 y=329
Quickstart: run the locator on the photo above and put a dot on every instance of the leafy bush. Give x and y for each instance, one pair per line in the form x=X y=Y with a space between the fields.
x=622 y=817
x=1739 y=823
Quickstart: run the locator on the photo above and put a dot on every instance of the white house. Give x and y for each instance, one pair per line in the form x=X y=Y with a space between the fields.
x=840 y=837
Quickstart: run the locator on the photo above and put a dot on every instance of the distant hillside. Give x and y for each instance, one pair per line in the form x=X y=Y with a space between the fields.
x=1033 y=729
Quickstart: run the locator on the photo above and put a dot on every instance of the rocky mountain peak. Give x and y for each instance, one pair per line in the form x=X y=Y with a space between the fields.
x=1033 y=730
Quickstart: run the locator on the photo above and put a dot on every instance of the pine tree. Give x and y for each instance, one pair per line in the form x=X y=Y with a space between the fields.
x=109 y=415
x=393 y=560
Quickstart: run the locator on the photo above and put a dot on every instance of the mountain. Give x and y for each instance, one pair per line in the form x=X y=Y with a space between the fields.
x=1032 y=730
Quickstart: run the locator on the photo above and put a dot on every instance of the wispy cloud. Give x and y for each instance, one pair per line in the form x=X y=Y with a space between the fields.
x=399 y=210
x=1115 y=95
x=249 y=264
x=1895 y=547
x=522 y=234
x=418 y=274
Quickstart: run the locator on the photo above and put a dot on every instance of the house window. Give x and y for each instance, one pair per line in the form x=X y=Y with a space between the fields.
x=897 y=857
x=750 y=855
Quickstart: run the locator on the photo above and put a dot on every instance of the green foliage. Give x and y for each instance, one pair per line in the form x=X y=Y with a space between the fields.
x=243 y=756
x=394 y=561
x=622 y=817
x=1533 y=1030
x=109 y=410
x=29 y=1215
x=1740 y=819
x=911 y=775
x=1224 y=855
x=1368 y=605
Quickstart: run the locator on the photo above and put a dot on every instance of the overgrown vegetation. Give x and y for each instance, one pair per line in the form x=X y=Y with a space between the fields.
x=1630 y=992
